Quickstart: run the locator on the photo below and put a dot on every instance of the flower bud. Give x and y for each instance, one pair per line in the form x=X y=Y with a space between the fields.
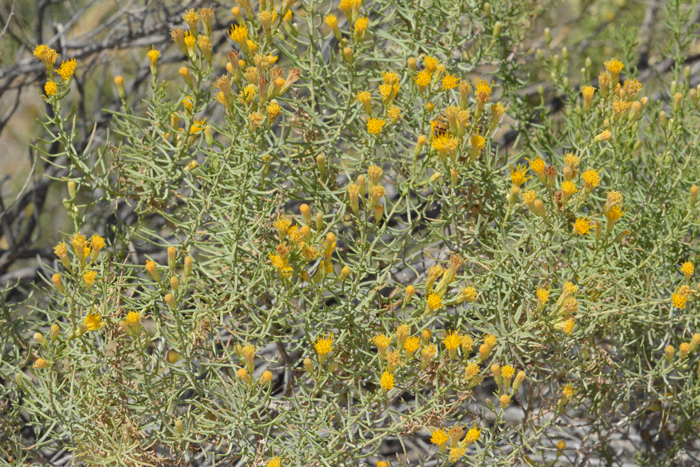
x=172 y=256
x=347 y=54
x=58 y=282
x=319 y=221
x=663 y=121
x=487 y=10
x=266 y=377
x=309 y=365
x=185 y=73
x=188 y=266
x=505 y=401
x=151 y=268
x=378 y=211
x=497 y=29
x=519 y=379
x=39 y=337
x=119 y=83
x=54 y=332
x=344 y=273
x=684 y=349
x=547 y=36
x=419 y=144
x=561 y=445
x=435 y=177
x=410 y=290
x=244 y=376
x=170 y=300
x=179 y=426
x=411 y=63
x=306 y=212
x=454 y=177
x=426 y=335
x=677 y=101
x=669 y=353
x=693 y=194
x=72 y=189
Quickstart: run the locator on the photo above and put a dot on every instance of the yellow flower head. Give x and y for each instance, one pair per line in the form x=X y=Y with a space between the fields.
x=588 y=92
x=567 y=326
x=568 y=188
x=571 y=161
x=469 y=294
x=423 y=79
x=471 y=371
x=387 y=381
x=591 y=178
x=50 y=88
x=361 y=25
x=46 y=54
x=517 y=176
x=389 y=77
x=411 y=344
x=457 y=453
x=275 y=462
x=282 y=225
x=89 y=278
x=394 y=114
x=687 y=268
x=507 y=371
x=452 y=340
x=79 y=242
x=97 y=243
x=381 y=341
x=375 y=125
x=40 y=364
x=239 y=33
x=153 y=55
x=614 y=198
x=67 y=69
x=482 y=89
x=197 y=125
x=133 y=318
x=434 y=301
x=537 y=165
x=324 y=344
x=449 y=82
x=92 y=321
x=472 y=435
x=582 y=226
x=439 y=437
x=431 y=64
x=281 y=264
x=490 y=341
x=679 y=300
x=478 y=141
x=332 y=21
x=568 y=391
x=614 y=66
x=542 y=295
x=614 y=213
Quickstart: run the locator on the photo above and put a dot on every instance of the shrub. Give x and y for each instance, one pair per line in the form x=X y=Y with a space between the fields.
x=319 y=244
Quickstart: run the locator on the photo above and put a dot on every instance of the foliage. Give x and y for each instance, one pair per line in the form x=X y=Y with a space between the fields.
x=334 y=253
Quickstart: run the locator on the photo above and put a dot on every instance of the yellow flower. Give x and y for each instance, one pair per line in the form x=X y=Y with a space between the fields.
x=324 y=344
x=571 y=161
x=382 y=342
x=449 y=82
x=374 y=125
x=507 y=371
x=40 y=364
x=582 y=226
x=239 y=33
x=679 y=300
x=469 y=294
x=614 y=67
x=332 y=21
x=434 y=302
x=687 y=268
x=252 y=46
x=387 y=381
x=517 y=176
x=431 y=64
x=587 y=92
x=281 y=264
x=472 y=435
x=439 y=437
x=389 y=77
x=394 y=113
x=490 y=341
x=478 y=142
x=67 y=69
x=567 y=326
x=92 y=322
x=197 y=125
x=568 y=391
x=133 y=318
x=275 y=462
x=46 y=54
x=411 y=344
x=591 y=179
x=423 y=79
x=482 y=89
x=361 y=26
x=471 y=371
x=452 y=340
x=273 y=110
x=89 y=278
x=542 y=296
x=50 y=88
x=568 y=188
x=153 y=55
x=614 y=213
x=457 y=453
x=537 y=165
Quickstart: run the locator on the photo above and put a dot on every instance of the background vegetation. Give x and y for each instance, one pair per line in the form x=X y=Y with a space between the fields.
x=382 y=233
